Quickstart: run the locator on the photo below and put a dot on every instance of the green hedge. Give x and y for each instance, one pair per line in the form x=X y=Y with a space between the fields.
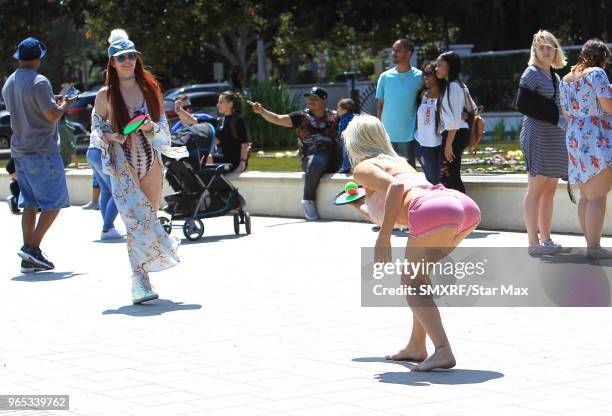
x=274 y=97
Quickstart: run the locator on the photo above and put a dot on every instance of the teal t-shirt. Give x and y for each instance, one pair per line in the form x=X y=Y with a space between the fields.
x=399 y=91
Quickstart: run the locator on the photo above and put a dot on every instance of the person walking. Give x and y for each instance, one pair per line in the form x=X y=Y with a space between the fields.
x=35 y=147
x=134 y=161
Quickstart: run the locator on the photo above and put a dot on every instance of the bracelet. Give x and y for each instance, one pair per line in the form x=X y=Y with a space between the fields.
x=243 y=160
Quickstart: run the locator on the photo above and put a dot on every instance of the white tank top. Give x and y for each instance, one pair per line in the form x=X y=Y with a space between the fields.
x=426 y=133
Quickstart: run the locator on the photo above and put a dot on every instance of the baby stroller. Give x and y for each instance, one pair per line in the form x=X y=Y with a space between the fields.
x=201 y=190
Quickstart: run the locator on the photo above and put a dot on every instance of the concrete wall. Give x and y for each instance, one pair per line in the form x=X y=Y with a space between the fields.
x=279 y=194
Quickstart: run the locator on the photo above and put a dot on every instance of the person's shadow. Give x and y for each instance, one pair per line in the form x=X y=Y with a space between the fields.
x=44 y=276
x=152 y=308
x=413 y=378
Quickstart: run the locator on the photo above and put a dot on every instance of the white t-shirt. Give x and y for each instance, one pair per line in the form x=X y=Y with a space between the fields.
x=426 y=133
x=451 y=113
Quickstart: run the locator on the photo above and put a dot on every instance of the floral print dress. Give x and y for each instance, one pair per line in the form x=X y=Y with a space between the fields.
x=589 y=130
x=150 y=248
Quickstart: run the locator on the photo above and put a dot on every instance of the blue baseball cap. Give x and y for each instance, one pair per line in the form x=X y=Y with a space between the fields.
x=121 y=46
x=30 y=49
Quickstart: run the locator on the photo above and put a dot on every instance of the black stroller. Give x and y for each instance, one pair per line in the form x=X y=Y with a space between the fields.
x=201 y=190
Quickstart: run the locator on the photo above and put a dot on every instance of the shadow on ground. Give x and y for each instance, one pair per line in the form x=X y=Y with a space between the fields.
x=45 y=276
x=152 y=308
x=411 y=378
x=211 y=239
x=481 y=234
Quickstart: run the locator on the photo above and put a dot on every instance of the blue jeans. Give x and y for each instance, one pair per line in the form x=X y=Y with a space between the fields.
x=346 y=161
x=108 y=209
x=42 y=182
x=430 y=159
x=407 y=150
x=314 y=167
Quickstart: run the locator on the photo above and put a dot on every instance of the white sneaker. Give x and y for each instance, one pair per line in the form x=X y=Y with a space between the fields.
x=91 y=205
x=142 y=291
x=542 y=250
x=551 y=243
x=111 y=234
x=310 y=211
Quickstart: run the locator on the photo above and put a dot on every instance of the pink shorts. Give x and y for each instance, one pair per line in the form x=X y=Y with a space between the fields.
x=439 y=208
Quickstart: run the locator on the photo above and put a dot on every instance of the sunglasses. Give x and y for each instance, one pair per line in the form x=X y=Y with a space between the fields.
x=429 y=73
x=121 y=58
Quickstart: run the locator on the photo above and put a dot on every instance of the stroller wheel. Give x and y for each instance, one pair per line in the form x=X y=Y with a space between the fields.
x=166 y=224
x=236 y=224
x=241 y=213
x=193 y=229
x=247 y=222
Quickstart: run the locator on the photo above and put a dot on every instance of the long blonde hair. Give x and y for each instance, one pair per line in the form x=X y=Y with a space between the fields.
x=365 y=137
x=544 y=37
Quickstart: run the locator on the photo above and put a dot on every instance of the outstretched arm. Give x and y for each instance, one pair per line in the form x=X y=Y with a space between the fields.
x=282 y=120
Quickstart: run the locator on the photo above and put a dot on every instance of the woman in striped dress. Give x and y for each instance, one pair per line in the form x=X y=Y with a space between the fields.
x=543 y=144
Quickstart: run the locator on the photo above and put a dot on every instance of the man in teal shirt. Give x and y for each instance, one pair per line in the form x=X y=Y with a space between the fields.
x=396 y=94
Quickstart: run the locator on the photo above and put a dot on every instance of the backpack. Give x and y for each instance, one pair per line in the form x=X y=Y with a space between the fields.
x=475 y=122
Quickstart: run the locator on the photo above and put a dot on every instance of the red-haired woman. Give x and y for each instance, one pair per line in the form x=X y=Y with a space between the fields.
x=133 y=162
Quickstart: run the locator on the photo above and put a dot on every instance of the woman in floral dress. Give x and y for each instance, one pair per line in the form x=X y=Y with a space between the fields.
x=586 y=98
x=134 y=162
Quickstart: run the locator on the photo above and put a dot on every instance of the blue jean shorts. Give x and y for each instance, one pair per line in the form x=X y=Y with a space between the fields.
x=42 y=182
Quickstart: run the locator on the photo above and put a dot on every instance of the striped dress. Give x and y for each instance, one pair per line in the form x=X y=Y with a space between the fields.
x=543 y=144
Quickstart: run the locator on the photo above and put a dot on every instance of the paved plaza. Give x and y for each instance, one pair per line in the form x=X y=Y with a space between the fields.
x=271 y=324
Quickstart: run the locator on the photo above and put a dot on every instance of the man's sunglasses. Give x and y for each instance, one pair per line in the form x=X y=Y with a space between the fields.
x=130 y=55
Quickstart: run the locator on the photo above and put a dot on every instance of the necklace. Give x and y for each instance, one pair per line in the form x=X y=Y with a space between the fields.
x=127 y=78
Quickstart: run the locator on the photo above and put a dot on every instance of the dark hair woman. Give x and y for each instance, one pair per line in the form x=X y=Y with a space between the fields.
x=427 y=135
x=455 y=130
x=586 y=101
x=231 y=132
x=133 y=161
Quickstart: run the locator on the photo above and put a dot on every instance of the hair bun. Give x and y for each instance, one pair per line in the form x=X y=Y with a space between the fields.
x=117 y=34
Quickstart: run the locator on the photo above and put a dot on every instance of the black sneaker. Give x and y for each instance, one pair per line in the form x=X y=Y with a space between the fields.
x=14 y=205
x=36 y=257
x=27 y=267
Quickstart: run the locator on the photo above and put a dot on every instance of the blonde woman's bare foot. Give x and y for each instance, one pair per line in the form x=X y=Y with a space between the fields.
x=442 y=358
x=408 y=353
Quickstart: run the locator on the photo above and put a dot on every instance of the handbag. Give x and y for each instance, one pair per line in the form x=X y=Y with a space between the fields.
x=475 y=122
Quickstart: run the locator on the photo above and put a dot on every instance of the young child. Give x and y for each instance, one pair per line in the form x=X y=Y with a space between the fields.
x=346 y=112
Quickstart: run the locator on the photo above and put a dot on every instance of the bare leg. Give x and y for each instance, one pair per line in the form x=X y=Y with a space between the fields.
x=596 y=190
x=42 y=226
x=416 y=349
x=28 y=225
x=151 y=185
x=545 y=208
x=95 y=194
x=581 y=213
x=33 y=232
x=531 y=204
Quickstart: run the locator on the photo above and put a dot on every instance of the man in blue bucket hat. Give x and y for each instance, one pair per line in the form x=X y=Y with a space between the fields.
x=35 y=147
